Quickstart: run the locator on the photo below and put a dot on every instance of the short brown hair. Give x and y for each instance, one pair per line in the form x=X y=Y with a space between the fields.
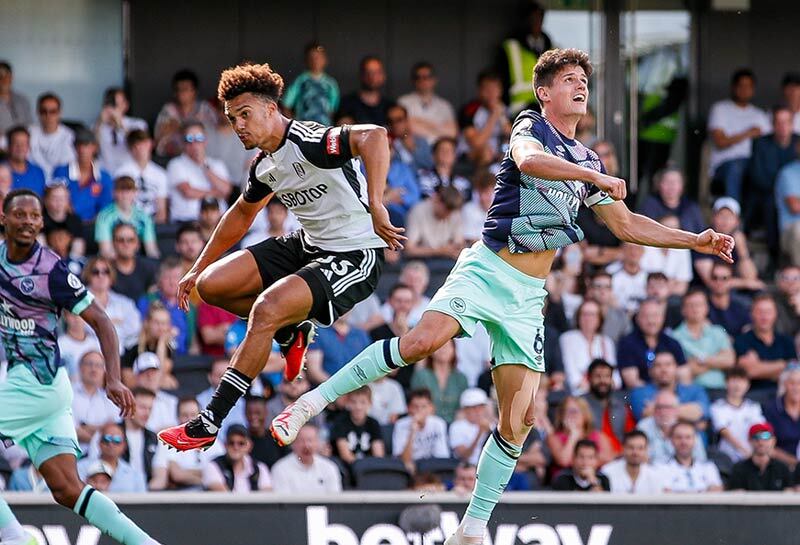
x=124 y=183
x=258 y=79
x=551 y=62
x=364 y=391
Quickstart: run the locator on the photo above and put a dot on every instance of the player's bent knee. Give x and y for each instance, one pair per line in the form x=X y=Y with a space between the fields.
x=419 y=346
x=266 y=317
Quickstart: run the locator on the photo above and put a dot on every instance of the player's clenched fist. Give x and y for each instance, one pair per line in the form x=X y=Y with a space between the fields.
x=616 y=187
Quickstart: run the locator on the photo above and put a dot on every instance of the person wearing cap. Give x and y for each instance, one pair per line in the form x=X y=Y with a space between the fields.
x=727 y=219
x=236 y=471
x=125 y=210
x=90 y=187
x=771 y=153
x=194 y=175
x=51 y=140
x=112 y=445
x=15 y=108
x=468 y=434
x=733 y=124
x=147 y=373
x=787 y=201
x=761 y=472
x=434 y=226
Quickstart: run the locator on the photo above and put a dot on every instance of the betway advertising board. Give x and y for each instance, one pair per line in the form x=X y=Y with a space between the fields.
x=372 y=519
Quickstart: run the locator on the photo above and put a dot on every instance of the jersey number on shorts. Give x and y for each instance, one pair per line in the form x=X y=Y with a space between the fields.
x=340 y=268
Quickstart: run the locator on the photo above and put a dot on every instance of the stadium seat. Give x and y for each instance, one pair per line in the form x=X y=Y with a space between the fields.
x=344 y=472
x=165 y=235
x=380 y=474
x=387 y=431
x=444 y=468
x=192 y=373
x=722 y=461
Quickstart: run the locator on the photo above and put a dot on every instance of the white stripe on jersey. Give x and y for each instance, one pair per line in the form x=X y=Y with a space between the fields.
x=307 y=134
x=358 y=275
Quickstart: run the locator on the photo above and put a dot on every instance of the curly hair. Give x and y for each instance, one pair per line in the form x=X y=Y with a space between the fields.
x=250 y=78
x=551 y=62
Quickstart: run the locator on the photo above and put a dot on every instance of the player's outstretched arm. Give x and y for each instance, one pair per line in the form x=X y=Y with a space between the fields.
x=231 y=228
x=639 y=229
x=102 y=325
x=371 y=143
x=531 y=159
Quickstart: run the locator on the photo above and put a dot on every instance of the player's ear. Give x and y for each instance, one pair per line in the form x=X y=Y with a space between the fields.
x=542 y=93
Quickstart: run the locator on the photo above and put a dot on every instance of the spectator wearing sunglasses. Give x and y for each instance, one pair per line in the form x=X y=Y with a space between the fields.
x=761 y=471
x=112 y=445
x=125 y=210
x=99 y=275
x=136 y=274
x=193 y=176
x=429 y=115
x=236 y=471
x=723 y=309
x=50 y=140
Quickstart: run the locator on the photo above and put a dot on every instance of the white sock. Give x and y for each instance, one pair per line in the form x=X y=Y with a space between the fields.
x=473 y=527
x=12 y=530
x=315 y=400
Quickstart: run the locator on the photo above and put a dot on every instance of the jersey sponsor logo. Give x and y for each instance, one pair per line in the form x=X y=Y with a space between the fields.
x=27 y=285
x=303 y=196
x=25 y=326
x=458 y=305
x=298 y=168
x=572 y=201
x=332 y=141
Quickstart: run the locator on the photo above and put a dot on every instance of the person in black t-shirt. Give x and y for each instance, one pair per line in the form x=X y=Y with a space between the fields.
x=135 y=273
x=355 y=435
x=761 y=471
x=368 y=104
x=583 y=477
x=265 y=449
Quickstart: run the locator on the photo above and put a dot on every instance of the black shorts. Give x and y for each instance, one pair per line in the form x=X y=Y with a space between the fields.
x=338 y=280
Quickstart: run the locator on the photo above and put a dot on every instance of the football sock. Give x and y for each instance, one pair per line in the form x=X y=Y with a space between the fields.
x=495 y=467
x=106 y=516
x=378 y=359
x=232 y=386
x=10 y=528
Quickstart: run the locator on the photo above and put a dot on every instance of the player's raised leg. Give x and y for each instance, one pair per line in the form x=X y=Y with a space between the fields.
x=286 y=302
x=234 y=283
x=377 y=360
x=61 y=475
x=516 y=387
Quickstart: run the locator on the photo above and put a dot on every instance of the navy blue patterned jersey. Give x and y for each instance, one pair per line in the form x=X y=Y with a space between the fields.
x=531 y=214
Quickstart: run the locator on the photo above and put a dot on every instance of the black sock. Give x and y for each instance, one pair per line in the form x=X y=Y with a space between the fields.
x=285 y=334
x=232 y=386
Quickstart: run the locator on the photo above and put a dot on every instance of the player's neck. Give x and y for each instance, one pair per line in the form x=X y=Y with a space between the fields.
x=271 y=143
x=17 y=253
x=566 y=125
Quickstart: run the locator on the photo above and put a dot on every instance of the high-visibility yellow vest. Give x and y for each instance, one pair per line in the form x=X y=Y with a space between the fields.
x=521 y=62
x=665 y=129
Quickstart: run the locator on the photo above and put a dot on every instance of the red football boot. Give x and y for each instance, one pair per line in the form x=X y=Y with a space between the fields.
x=295 y=349
x=197 y=433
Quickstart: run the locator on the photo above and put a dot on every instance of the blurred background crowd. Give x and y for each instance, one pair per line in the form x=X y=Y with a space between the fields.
x=667 y=371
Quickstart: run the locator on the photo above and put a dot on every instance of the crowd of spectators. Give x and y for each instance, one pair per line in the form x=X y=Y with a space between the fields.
x=667 y=371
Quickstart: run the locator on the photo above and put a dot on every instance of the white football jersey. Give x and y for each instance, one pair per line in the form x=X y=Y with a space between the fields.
x=313 y=172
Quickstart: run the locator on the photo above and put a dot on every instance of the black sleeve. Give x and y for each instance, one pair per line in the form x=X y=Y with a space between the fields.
x=255 y=189
x=129 y=356
x=564 y=482
x=332 y=151
x=75 y=226
x=604 y=482
x=340 y=428
x=374 y=429
x=737 y=480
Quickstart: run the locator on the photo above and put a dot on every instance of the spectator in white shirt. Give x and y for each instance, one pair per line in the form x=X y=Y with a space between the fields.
x=684 y=472
x=147 y=373
x=732 y=124
x=305 y=471
x=112 y=127
x=185 y=470
x=74 y=342
x=676 y=264
x=632 y=474
x=144 y=452
x=629 y=281
x=194 y=176
x=151 y=179
x=421 y=434
x=99 y=275
x=468 y=434
x=388 y=400
x=732 y=415
x=473 y=213
x=112 y=444
x=583 y=344
x=430 y=116
x=51 y=142
x=237 y=471
x=91 y=409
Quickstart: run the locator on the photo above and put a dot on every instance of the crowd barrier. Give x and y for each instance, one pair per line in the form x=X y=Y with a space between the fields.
x=371 y=518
